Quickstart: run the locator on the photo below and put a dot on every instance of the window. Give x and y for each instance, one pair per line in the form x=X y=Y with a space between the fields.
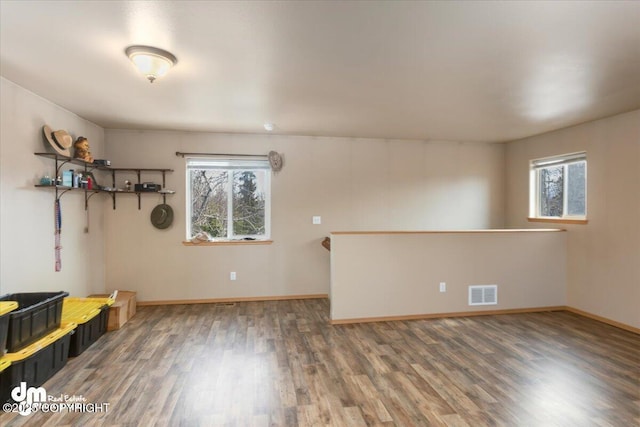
x=229 y=199
x=559 y=187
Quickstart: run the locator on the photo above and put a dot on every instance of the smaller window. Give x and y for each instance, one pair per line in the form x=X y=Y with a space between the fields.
x=558 y=187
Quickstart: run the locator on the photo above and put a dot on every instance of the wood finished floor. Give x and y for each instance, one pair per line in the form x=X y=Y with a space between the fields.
x=280 y=363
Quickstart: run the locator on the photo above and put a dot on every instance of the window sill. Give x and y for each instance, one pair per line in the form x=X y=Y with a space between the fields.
x=558 y=220
x=228 y=243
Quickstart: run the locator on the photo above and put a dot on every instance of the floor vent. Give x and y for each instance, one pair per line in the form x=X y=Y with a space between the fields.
x=483 y=295
x=226 y=304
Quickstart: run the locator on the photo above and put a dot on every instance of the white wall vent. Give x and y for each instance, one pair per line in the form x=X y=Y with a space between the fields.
x=483 y=295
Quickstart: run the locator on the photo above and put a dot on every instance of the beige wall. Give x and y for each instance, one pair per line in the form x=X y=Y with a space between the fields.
x=382 y=275
x=353 y=184
x=26 y=213
x=603 y=258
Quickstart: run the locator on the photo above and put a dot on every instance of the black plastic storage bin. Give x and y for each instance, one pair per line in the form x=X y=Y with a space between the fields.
x=6 y=307
x=89 y=332
x=36 y=363
x=38 y=313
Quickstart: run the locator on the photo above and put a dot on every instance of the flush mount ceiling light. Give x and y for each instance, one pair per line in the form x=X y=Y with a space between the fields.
x=151 y=61
x=269 y=127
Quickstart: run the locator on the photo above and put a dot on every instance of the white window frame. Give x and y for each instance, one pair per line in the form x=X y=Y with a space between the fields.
x=231 y=165
x=535 y=166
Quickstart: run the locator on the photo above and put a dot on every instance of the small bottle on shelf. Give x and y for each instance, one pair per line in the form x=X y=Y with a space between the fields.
x=67 y=178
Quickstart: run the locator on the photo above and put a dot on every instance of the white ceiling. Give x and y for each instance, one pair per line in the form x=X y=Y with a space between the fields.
x=463 y=71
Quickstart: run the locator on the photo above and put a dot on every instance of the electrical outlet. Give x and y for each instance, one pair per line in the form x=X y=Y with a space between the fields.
x=232 y=275
x=316 y=220
x=443 y=287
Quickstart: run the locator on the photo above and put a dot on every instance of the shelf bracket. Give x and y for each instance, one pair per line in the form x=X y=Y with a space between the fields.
x=60 y=193
x=138 y=194
x=164 y=185
x=87 y=195
x=59 y=166
x=113 y=195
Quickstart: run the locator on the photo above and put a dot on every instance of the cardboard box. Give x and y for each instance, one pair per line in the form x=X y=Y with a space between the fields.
x=131 y=297
x=118 y=315
x=121 y=311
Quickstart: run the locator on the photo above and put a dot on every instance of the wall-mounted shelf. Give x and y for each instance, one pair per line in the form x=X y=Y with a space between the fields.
x=138 y=172
x=60 y=190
